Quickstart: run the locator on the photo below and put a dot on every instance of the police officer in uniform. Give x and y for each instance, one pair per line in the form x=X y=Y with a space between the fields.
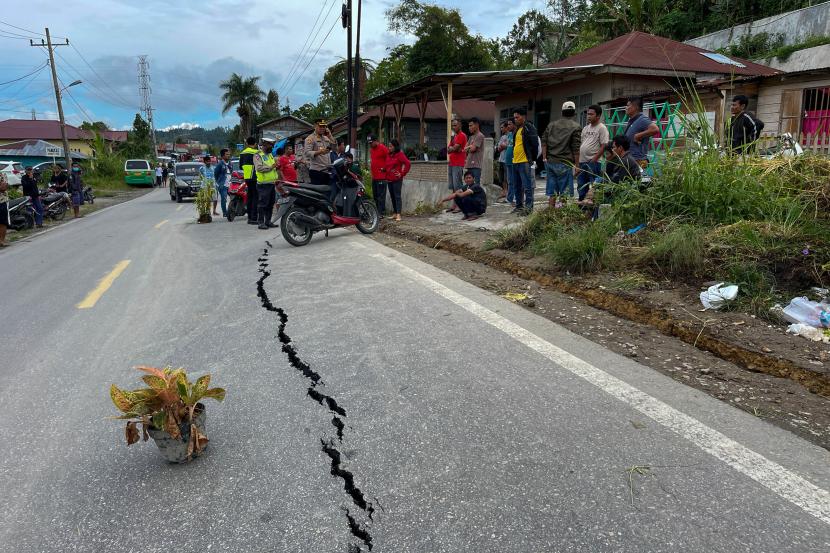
x=266 y=180
x=317 y=152
x=246 y=161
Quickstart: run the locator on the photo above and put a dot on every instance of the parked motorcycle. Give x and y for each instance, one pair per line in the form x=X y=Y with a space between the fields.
x=308 y=210
x=89 y=195
x=238 y=192
x=785 y=146
x=55 y=204
x=21 y=215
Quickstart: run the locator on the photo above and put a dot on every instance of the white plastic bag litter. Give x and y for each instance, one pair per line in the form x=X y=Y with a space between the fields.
x=718 y=295
x=809 y=332
x=805 y=311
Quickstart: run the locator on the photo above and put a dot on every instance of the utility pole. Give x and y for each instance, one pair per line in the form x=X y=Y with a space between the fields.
x=50 y=48
x=358 y=82
x=346 y=18
x=34 y=115
x=145 y=90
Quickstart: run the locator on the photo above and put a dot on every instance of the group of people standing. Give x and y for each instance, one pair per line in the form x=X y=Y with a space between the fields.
x=162 y=174
x=71 y=183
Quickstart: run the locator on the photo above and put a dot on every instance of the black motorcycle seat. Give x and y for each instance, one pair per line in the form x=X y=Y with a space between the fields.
x=17 y=201
x=316 y=187
x=49 y=198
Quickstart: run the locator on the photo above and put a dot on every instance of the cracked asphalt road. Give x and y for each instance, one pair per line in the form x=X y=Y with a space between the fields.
x=472 y=424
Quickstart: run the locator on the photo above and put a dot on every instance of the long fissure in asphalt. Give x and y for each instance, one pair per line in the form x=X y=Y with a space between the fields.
x=328 y=444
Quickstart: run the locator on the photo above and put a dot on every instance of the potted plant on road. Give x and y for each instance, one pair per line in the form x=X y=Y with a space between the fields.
x=204 y=198
x=169 y=410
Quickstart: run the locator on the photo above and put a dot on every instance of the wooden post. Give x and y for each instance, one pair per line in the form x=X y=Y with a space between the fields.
x=382 y=117
x=398 y=116
x=422 y=111
x=449 y=111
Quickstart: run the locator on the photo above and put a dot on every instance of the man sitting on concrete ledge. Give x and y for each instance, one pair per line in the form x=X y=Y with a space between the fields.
x=471 y=199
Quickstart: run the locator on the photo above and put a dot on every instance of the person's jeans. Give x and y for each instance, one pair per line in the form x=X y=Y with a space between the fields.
x=395 y=188
x=560 y=179
x=223 y=199
x=524 y=183
x=588 y=172
x=379 y=194
x=37 y=207
x=476 y=173
x=455 y=177
x=511 y=189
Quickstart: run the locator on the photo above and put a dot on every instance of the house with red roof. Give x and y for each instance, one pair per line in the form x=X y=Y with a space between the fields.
x=635 y=64
x=48 y=130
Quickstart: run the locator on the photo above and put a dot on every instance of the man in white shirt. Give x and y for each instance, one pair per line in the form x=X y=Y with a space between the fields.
x=594 y=138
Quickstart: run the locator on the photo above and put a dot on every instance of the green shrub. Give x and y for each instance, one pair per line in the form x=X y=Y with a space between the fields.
x=679 y=251
x=583 y=249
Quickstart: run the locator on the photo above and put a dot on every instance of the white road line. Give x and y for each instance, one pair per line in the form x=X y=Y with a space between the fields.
x=788 y=485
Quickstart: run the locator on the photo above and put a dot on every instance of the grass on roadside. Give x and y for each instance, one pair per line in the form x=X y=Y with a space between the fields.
x=761 y=224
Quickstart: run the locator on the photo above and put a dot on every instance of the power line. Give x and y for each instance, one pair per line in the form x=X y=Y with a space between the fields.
x=36 y=70
x=303 y=47
x=103 y=95
x=337 y=20
x=303 y=62
x=26 y=30
x=74 y=101
x=118 y=94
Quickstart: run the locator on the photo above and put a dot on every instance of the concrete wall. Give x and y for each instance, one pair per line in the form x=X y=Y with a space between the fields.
x=817 y=57
x=427 y=181
x=796 y=26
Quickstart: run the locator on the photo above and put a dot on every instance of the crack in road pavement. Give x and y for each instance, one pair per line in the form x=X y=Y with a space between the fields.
x=328 y=446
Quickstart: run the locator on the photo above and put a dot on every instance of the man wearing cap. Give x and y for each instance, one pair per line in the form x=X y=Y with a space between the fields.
x=378 y=156
x=246 y=161
x=560 y=152
x=266 y=180
x=318 y=147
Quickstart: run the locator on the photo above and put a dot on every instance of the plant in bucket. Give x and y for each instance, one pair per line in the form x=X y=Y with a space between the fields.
x=169 y=410
x=204 y=198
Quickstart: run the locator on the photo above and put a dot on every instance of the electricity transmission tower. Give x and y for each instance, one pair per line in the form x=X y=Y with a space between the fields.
x=145 y=90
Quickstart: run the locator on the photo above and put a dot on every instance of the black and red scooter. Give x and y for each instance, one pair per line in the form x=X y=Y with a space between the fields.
x=306 y=209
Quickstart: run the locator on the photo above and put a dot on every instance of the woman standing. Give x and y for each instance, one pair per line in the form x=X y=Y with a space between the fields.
x=397 y=166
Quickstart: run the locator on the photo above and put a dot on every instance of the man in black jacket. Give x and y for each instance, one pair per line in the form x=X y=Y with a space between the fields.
x=744 y=129
x=29 y=185
x=525 y=152
x=246 y=162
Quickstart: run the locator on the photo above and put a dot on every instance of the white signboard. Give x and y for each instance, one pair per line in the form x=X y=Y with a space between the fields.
x=54 y=151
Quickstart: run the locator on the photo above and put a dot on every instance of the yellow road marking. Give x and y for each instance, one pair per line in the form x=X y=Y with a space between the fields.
x=179 y=208
x=92 y=298
x=161 y=224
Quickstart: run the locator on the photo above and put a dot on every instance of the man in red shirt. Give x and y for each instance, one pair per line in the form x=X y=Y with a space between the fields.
x=456 y=157
x=285 y=163
x=378 y=155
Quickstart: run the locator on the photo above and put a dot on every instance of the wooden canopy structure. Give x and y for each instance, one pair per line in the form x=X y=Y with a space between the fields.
x=483 y=85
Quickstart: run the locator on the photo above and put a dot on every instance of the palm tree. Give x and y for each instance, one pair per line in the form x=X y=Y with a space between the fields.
x=248 y=98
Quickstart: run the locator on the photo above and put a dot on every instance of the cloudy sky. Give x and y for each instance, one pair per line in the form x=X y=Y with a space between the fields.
x=191 y=46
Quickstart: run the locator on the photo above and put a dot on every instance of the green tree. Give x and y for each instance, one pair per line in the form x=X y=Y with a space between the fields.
x=333 y=94
x=246 y=96
x=308 y=112
x=391 y=72
x=139 y=142
x=525 y=40
x=443 y=42
x=94 y=126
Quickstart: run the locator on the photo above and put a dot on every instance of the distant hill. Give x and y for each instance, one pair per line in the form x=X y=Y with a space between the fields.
x=219 y=136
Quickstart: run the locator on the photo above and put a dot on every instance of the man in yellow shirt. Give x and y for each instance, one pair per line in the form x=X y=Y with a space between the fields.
x=525 y=152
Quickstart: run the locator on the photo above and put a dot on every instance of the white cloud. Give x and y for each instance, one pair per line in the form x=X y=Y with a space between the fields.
x=184 y=126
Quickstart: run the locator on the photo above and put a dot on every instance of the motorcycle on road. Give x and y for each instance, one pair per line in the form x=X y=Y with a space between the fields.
x=306 y=208
x=238 y=192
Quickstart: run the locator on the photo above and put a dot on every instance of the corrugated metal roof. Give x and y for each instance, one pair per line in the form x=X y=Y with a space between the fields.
x=644 y=51
x=50 y=129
